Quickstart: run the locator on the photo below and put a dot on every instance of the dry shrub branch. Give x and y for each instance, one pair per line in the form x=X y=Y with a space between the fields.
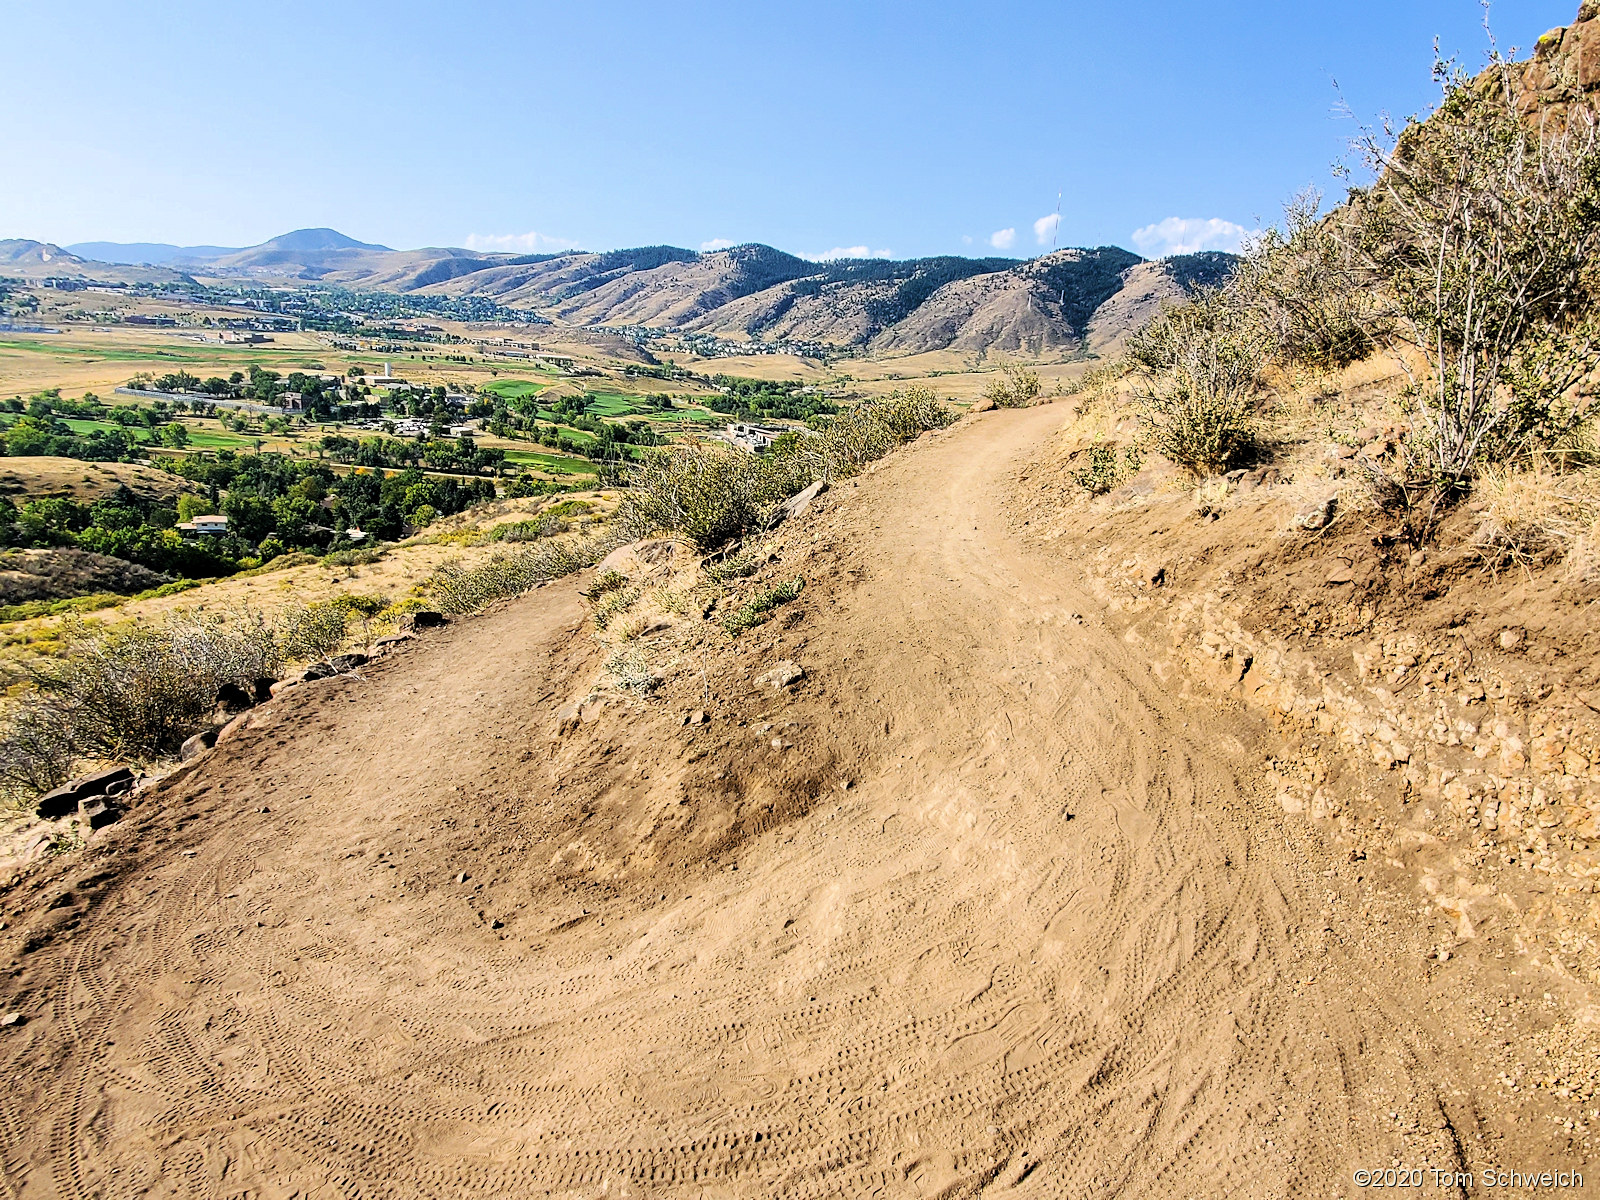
x=1483 y=230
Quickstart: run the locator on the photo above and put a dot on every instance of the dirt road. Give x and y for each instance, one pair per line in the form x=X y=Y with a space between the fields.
x=1048 y=941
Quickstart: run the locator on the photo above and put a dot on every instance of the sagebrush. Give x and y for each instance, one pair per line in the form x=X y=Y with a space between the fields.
x=714 y=494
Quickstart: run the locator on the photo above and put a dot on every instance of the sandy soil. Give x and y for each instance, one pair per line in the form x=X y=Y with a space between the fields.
x=981 y=907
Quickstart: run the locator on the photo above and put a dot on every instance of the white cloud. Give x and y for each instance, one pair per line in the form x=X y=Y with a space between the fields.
x=848 y=252
x=517 y=243
x=966 y=239
x=1186 y=235
x=716 y=244
x=1003 y=239
x=1044 y=229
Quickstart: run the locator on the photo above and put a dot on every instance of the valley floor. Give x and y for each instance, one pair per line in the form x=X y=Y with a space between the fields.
x=981 y=907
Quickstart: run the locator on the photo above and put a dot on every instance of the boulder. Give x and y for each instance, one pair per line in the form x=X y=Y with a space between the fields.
x=985 y=405
x=389 y=642
x=797 y=503
x=196 y=745
x=64 y=800
x=426 y=618
x=782 y=674
x=283 y=685
x=233 y=728
x=343 y=664
x=318 y=670
x=98 y=811
x=232 y=698
x=1318 y=516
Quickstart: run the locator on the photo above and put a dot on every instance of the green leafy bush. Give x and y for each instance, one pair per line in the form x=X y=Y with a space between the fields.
x=312 y=631
x=1105 y=468
x=1202 y=366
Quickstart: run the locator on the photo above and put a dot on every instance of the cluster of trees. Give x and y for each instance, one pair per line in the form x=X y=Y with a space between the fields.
x=38 y=428
x=275 y=503
x=764 y=400
x=322 y=399
x=124 y=525
x=459 y=455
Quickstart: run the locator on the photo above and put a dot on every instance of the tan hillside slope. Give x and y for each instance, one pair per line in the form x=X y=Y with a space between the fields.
x=977 y=905
x=27 y=259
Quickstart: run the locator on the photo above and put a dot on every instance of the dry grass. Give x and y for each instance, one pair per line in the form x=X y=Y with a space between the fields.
x=1536 y=516
x=457 y=588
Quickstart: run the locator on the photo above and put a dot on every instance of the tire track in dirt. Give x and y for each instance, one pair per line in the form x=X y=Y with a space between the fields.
x=1049 y=944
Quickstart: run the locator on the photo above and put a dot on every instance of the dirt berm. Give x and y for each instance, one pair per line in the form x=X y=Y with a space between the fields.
x=979 y=906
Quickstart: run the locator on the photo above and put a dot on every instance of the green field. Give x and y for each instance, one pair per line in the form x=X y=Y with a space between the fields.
x=513 y=389
x=615 y=404
x=201 y=438
x=83 y=425
x=697 y=415
x=196 y=353
x=557 y=464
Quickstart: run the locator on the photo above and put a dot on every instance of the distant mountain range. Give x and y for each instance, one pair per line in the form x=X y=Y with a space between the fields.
x=1069 y=300
x=160 y=254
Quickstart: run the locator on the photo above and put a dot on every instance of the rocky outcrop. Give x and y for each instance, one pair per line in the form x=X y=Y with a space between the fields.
x=1566 y=62
x=67 y=798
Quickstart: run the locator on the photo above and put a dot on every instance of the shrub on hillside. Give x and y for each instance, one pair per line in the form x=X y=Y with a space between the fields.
x=457 y=589
x=139 y=691
x=1015 y=387
x=38 y=749
x=1202 y=366
x=1300 y=286
x=1104 y=467
x=710 y=494
x=713 y=495
x=758 y=609
x=311 y=631
x=1483 y=230
x=632 y=672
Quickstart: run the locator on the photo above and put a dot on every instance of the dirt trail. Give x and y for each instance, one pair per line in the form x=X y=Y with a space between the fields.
x=1051 y=941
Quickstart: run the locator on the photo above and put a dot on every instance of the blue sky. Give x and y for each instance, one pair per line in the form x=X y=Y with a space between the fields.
x=900 y=129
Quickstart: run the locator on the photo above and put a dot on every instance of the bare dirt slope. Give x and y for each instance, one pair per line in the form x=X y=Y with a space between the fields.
x=408 y=937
